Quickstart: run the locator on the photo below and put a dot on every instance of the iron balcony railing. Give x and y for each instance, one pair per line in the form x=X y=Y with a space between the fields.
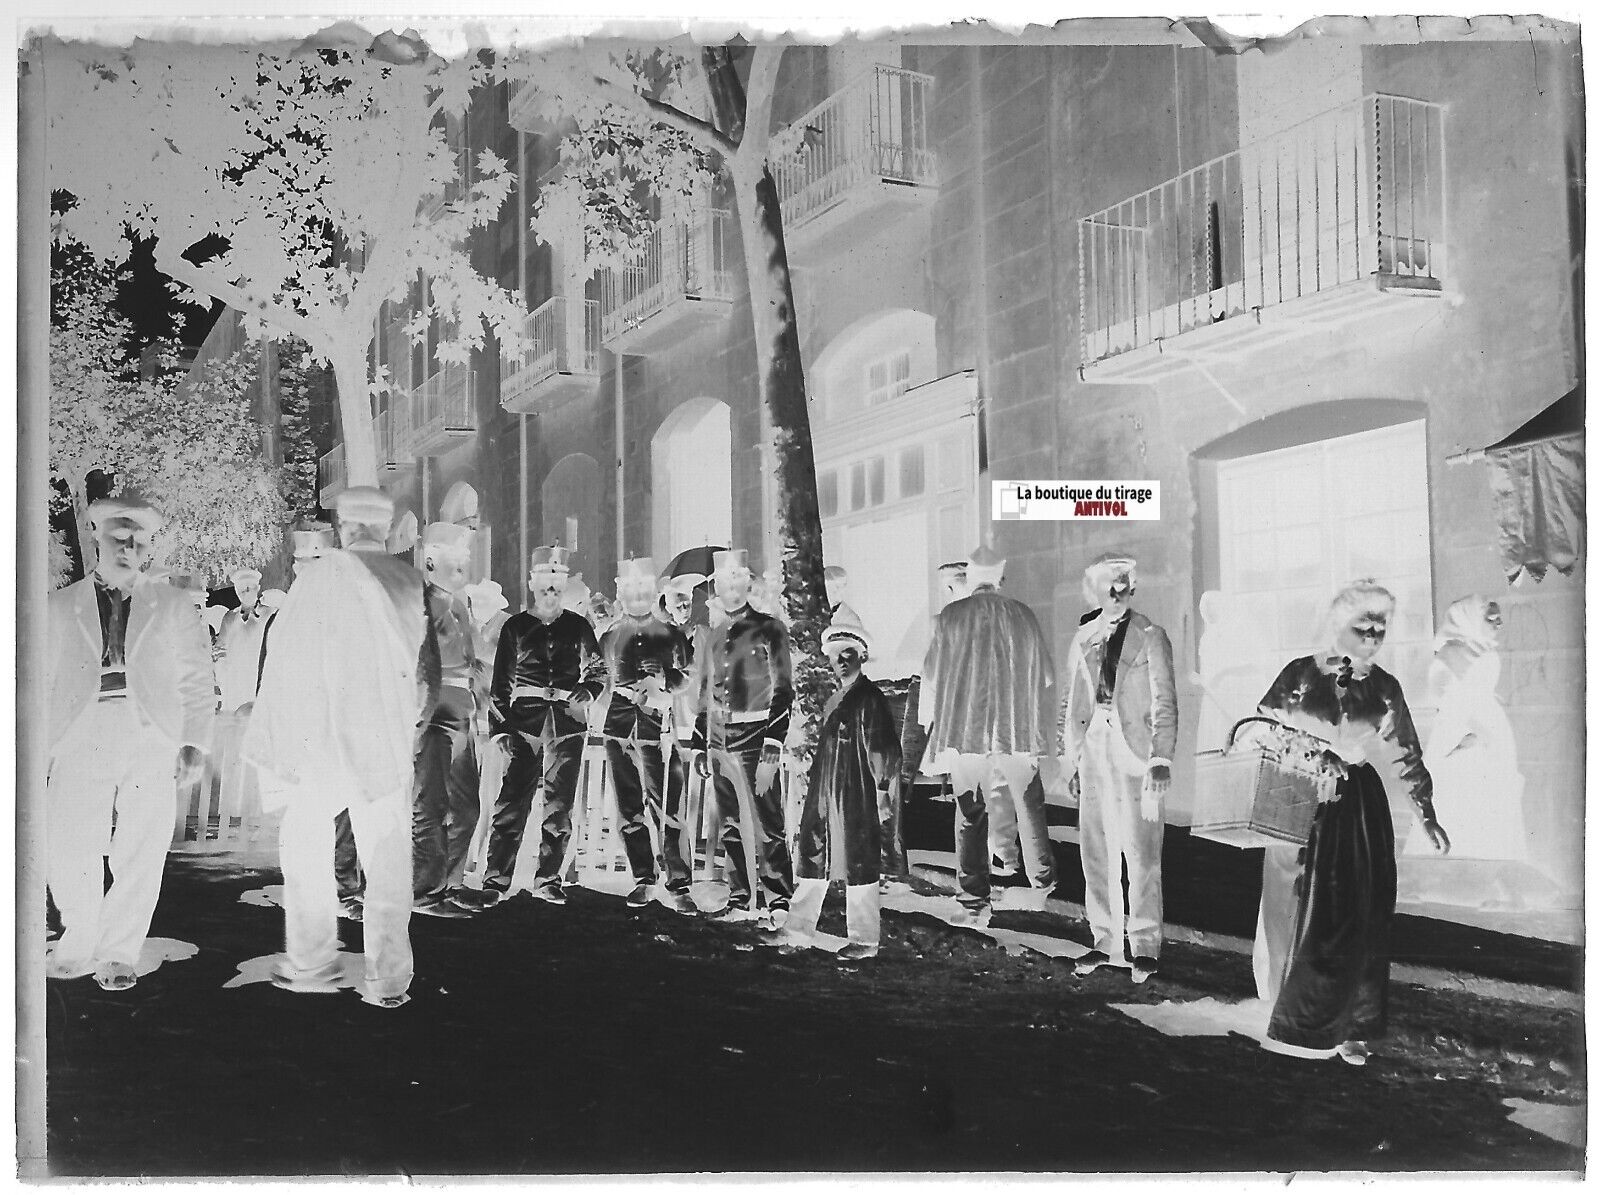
x=331 y=470
x=549 y=350
x=391 y=428
x=444 y=405
x=1354 y=193
x=874 y=129
x=680 y=259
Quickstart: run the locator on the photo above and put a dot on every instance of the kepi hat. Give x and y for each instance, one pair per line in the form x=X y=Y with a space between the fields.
x=452 y=537
x=364 y=504
x=731 y=558
x=245 y=576
x=636 y=568
x=553 y=557
x=310 y=544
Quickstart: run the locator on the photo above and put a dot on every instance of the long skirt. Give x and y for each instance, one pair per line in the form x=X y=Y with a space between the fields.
x=1336 y=986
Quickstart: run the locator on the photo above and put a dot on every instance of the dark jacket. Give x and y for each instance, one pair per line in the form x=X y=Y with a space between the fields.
x=858 y=752
x=561 y=655
x=626 y=648
x=744 y=667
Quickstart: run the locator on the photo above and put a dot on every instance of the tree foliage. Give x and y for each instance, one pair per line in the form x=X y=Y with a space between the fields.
x=301 y=185
x=189 y=445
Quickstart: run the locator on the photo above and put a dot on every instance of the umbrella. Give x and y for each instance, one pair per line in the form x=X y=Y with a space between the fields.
x=698 y=561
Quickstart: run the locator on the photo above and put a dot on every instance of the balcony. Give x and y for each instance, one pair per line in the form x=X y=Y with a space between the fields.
x=678 y=282
x=330 y=476
x=1336 y=219
x=391 y=428
x=856 y=163
x=443 y=411
x=553 y=367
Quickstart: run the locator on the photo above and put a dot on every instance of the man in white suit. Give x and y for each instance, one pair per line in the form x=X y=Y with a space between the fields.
x=1119 y=729
x=131 y=703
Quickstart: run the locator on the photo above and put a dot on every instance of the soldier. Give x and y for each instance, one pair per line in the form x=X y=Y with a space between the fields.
x=446 y=809
x=648 y=659
x=130 y=701
x=745 y=694
x=547 y=673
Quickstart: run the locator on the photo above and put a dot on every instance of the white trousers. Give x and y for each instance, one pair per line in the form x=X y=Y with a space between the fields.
x=310 y=895
x=110 y=760
x=863 y=911
x=1112 y=832
x=1003 y=827
x=1004 y=781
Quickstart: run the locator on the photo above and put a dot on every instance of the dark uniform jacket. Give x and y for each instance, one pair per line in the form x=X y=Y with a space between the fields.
x=627 y=646
x=744 y=670
x=539 y=670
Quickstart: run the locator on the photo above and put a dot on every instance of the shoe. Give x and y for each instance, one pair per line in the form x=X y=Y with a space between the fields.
x=997 y=868
x=442 y=907
x=550 y=893
x=352 y=909
x=965 y=915
x=323 y=981
x=680 y=902
x=783 y=941
x=639 y=897
x=473 y=899
x=773 y=918
x=1145 y=968
x=730 y=912
x=1092 y=962
x=1354 y=1052
x=399 y=1001
x=115 y=977
x=856 y=951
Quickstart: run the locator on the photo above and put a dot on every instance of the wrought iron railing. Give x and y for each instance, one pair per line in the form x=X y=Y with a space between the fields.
x=1353 y=193
x=444 y=404
x=549 y=349
x=875 y=128
x=391 y=428
x=680 y=259
x=331 y=470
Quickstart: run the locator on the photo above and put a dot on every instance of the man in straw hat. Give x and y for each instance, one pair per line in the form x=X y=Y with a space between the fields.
x=648 y=659
x=984 y=702
x=446 y=811
x=130 y=700
x=842 y=820
x=746 y=690
x=353 y=672
x=1118 y=732
x=547 y=673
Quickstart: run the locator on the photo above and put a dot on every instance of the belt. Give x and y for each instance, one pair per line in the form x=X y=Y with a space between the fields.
x=643 y=696
x=460 y=682
x=740 y=717
x=540 y=692
x=113 y=680
x=113 y=694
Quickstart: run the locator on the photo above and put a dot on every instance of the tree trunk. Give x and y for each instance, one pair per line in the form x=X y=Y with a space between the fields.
x=355 y=414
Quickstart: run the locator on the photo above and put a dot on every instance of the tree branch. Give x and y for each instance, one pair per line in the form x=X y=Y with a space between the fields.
x=702 y=132
x=197 y=278
x=759 y=92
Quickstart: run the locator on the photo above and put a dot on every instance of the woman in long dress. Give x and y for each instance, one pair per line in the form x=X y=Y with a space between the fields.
x=1332 y=988
x=1471 y=753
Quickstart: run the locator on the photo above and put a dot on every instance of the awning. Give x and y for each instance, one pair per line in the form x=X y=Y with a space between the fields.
x=1536 y=477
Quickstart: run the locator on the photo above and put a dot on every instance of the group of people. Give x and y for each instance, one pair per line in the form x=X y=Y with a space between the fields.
x=365 y=701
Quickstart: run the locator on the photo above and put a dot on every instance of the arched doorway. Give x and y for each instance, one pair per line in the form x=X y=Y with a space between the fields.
x=691 y=472
x=569 y=501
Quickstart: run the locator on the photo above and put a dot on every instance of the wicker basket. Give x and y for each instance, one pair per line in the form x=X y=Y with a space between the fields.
x=1261 y=793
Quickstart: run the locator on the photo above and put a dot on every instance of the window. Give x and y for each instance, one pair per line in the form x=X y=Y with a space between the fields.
x=875 y=481
x=858 y=485
x=888 y=378
x=1297 y=524
x=912 y=480
x=828 y=493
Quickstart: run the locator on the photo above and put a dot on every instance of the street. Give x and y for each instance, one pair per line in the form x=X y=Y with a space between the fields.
x=592 y=1039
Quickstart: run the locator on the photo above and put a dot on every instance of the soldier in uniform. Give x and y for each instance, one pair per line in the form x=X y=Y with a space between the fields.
x=648 y=659
x=746 y=690
x=446 y=810
x=547 y=673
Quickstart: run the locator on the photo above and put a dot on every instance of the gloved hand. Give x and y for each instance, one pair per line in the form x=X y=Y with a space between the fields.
x=768 y=767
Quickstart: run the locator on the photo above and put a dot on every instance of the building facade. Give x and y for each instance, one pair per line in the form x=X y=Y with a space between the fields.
x=1285 y=285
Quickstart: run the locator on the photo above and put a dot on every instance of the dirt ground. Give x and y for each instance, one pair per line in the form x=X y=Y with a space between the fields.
x=595 y=1039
